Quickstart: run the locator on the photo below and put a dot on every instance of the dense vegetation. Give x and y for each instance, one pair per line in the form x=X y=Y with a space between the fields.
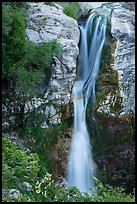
x=20 y=167
x=41 y=141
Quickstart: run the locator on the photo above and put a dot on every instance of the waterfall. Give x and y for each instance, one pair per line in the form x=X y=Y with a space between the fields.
x=92 y=37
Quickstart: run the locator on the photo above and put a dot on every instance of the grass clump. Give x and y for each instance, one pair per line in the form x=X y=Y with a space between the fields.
x=72 y=10
x=50 y=4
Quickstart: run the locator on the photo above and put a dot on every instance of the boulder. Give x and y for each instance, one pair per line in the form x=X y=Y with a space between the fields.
x=46 y=23
x=102 y=8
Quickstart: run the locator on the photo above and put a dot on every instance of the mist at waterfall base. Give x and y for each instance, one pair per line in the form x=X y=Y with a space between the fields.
x=80 y=164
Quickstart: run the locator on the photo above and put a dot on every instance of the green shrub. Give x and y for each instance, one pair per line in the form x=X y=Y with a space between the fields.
x=107 y=193
x=47 y=191
x=72 y=10
x=40 y=56
x=18 y=166
x=50 y=3
x=41 y=140
x=13 y=37
x=6 y=20
x=31 y=71
x=26 y=63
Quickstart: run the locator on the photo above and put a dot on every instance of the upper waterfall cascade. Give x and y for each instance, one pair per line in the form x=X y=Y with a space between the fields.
x=80 y=167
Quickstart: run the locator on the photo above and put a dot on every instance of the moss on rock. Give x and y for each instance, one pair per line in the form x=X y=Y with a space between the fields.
x=108 y=98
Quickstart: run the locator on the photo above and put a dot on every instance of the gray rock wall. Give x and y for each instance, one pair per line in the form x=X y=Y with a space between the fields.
x=123 y=30
x=46 y=23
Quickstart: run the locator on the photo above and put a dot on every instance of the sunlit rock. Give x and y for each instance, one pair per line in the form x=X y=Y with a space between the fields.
x=46 y=23
x=123 y=30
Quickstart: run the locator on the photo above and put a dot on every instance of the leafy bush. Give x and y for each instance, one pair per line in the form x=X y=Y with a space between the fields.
x=26 y=63
x=72 y=10
x=41 y=137
x=13 y=37
x=32 y=70
x=47 y=191
x=107 y=193
x=6 y=20
x=50 y=3
x=18 y=166
x=41 y=140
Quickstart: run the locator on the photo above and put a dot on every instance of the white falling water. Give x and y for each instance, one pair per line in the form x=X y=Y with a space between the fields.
x=80 y=168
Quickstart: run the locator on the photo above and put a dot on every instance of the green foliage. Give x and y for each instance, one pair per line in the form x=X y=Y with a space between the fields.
x=72 y=10
x=36 y=65
x=41 y=135
x=46 y=191
x=41 y=140
x=50 y=3
x=31 y=71
x=10 y=14
x=26 y=63
x=28 y=81
x=18 y=166
x=16 y=5
x=40 y=56
x=6 y=19
x=31 y=131
x=107 y=193
x=13 y=37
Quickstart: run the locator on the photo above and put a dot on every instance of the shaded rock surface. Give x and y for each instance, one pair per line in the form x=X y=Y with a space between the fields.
x=114 y=150
x=118 y=167
x=59 y=157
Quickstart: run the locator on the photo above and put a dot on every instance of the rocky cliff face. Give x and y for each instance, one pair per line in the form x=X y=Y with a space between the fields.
x=123 y=30
x=47 y=23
